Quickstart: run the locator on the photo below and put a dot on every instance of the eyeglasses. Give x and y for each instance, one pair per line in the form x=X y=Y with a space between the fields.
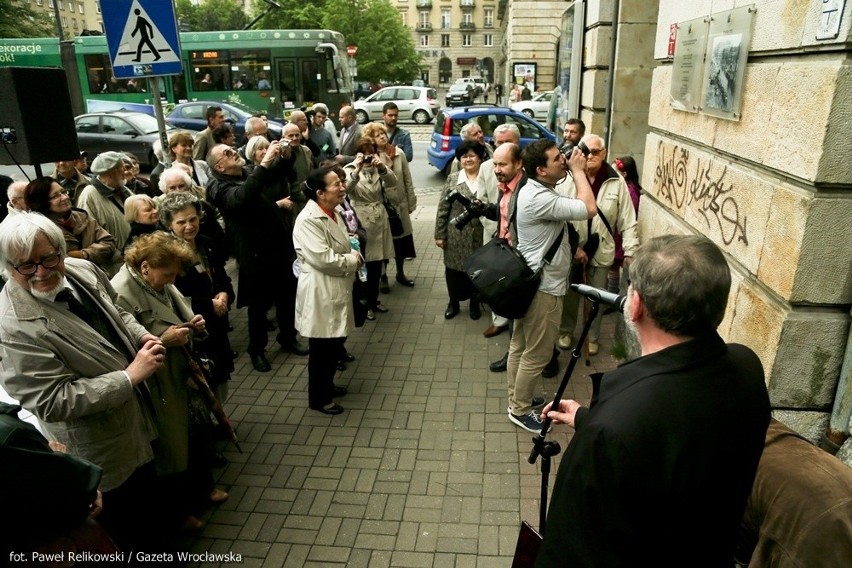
x=227 y=153
x=56 y=196
x=30 y=268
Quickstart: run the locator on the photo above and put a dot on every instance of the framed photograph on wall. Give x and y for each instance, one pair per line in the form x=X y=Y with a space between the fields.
x=728 y=42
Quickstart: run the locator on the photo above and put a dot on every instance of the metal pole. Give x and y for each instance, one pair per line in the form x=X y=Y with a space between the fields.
x=154 y=87
x=58 y=21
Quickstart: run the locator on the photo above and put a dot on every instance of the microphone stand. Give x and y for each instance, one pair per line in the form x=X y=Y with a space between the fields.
x=549 y=449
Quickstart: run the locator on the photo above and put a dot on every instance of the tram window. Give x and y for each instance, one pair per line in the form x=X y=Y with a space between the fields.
x=210 y=70
x=287 y=81
x=99 y=72
x=248 y=68
x=333 y=84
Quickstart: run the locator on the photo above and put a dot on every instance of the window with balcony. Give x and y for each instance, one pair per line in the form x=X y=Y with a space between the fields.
x=489 y=18
x=446 y=18
x=424 y=41
x=445 y=40
x=488 y=40
x=424 y=18
x=466 y=40
x=467 y=19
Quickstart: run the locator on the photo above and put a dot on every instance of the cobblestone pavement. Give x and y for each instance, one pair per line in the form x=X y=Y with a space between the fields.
x=423 y=469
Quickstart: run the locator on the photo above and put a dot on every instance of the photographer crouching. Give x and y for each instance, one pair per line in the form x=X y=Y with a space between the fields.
x=661 y=464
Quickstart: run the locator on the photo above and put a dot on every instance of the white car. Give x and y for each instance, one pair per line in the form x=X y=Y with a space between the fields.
x=419 y=104
x=477 y=82
x=536 y=108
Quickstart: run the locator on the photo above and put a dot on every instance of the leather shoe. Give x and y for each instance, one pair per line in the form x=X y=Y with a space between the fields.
x=475 y=310
x=295 y=347
x=451 y=311
x=500 y=365
x=218 y=496
x=192 y=523
x=349 y=357
x=494 y=330
x=339 y=391
x=402 y=279
x=332 y=409
x=234 y=354
x=341 y=366
x=260 y=363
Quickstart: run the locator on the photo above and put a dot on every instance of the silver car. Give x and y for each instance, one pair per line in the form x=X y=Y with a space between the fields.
x=419 y=104
x=537 y=108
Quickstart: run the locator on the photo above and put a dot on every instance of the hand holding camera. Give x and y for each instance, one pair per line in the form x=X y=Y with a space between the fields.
x=473 y=209
x=575 y=156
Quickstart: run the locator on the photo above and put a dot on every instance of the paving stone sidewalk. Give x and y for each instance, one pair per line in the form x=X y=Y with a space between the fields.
x=423 y=469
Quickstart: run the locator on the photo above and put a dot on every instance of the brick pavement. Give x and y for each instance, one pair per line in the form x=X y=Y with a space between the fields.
x=422 y=470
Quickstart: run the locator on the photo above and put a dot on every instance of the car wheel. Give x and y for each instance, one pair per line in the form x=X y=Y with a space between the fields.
x=361 y=117
x=421 y=117
x=528 y=112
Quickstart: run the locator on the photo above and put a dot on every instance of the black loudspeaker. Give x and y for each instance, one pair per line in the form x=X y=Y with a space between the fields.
x=36 y=120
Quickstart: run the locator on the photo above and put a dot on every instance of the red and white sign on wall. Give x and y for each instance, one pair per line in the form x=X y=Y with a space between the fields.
x=672 y=39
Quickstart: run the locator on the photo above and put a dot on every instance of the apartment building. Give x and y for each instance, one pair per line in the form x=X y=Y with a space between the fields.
x=457 y=38
x=74 y=15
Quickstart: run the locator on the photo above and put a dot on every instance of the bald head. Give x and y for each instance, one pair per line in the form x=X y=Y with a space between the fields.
x=299 y=118
x=291 y=135
x=347 y=116
x=15 y=193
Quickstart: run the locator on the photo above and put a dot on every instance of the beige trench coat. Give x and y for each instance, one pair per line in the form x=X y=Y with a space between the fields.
x=365 y=193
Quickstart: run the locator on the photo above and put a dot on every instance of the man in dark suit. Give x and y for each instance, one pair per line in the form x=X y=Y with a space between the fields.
x=350 y=133
x=662 y=463
x=252 y=203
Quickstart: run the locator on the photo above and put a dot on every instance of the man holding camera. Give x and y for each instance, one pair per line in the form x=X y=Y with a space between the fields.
x=615 y=215
x=662 y=463
x=541 y=216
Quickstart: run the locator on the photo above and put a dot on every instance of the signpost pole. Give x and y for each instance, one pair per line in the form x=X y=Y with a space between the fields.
x=154 y=88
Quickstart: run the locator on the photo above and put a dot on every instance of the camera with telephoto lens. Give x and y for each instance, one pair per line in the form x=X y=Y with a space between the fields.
x=473 y=209
x=568 y=147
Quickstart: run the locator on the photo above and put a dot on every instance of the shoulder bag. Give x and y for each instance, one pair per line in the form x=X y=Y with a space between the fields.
x=394 y=220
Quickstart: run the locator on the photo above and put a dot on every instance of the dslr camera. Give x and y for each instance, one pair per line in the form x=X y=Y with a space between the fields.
x=568 y=147
x=473 y=209
x=368 y=159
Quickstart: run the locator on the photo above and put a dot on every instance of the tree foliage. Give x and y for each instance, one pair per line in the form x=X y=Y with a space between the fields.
x=210 y=15
x=385 y=48
x=18 y=19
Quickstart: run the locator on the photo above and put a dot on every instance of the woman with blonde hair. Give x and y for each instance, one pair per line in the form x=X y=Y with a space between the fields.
x=403 y=244
x=142 y=214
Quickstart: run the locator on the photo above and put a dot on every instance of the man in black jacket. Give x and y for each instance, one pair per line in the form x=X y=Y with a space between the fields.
x=252 y=203
x=662 y=462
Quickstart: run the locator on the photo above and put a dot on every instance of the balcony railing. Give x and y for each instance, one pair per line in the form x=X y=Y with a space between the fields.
x=424 y=3
x=470 y=26
x=424 y=27
x=468 y=3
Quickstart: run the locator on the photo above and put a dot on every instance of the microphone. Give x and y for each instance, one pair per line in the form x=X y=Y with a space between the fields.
x=615 y=301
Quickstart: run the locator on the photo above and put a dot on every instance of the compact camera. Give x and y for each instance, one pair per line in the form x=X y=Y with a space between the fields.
x=368 y=159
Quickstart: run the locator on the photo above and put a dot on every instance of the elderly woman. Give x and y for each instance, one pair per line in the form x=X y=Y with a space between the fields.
x=206 y=283
x=145 y=288
x=84 y=237
x=460 y=244
x=403 y=244
x=324 y=312
x=175 y=179
x=141 y=212
x=369 y=182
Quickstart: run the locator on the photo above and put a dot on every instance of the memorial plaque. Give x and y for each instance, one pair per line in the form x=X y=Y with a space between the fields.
x=688 y=65
x=728 y=42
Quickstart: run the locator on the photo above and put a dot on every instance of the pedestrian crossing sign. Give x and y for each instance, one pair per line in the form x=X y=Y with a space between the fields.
x=142 y=37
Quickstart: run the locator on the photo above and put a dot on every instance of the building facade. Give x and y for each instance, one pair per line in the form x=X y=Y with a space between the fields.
x=75 y=16
x=457 y=38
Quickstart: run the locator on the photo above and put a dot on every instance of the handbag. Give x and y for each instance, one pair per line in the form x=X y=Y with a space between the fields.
x=394 y=220
x=503 y=278
x=527 y=547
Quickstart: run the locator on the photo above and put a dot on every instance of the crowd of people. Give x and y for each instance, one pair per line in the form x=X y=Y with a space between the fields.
x=117 y=298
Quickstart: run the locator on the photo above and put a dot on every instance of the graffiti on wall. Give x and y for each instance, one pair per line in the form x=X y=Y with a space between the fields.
x=695 y=186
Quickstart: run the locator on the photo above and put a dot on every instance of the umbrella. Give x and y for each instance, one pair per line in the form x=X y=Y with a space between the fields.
x=198 y=374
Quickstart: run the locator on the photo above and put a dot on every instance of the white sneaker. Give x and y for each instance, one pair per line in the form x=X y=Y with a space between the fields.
x=565 y=341
x=593 y=348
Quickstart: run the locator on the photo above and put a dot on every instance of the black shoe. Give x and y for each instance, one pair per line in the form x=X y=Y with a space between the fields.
x=452 y=311
x=552 y=368
x=217 y=460
x=475 y=310
x=295 y=347
x=500 y=365
x=260 y=363
x=339 y=391
x=235 y=354
x=403 y=279
x=384 y=287
x=332 y=409
x=349 y=357
x=341 y=366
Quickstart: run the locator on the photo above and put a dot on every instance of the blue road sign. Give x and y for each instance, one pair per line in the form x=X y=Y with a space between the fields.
x=142 y=37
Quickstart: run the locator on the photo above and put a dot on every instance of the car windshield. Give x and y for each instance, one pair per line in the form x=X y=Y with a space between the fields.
x=144 y=123
x=458 y=88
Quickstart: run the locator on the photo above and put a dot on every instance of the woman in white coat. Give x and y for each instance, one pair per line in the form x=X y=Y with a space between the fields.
x=324 y=312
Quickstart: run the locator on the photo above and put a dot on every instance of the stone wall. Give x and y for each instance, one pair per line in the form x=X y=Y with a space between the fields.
x=532 y=33
x=773 y=190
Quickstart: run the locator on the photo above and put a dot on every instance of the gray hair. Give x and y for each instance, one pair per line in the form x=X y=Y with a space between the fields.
x=513 y=128
x=254 y=145
x=320 y=107
x=684 y=282
x=172 y=173
x=18 y=236
x=465 y=131
x=132 y=204
x=16 y=190
x=176 y=201
x=157 y=148
x=252 y=124
x=589 y=137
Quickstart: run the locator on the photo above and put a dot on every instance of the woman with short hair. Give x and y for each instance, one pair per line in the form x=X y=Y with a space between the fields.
x=141 y=212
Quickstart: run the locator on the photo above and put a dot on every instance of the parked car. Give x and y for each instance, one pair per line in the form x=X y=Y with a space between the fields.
x=191 y=116
x=363 y=89
x=460 y=94
x=119 y=131
x=419 y=104
x=477 y=82
x=536 y=108
x=446 y=135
